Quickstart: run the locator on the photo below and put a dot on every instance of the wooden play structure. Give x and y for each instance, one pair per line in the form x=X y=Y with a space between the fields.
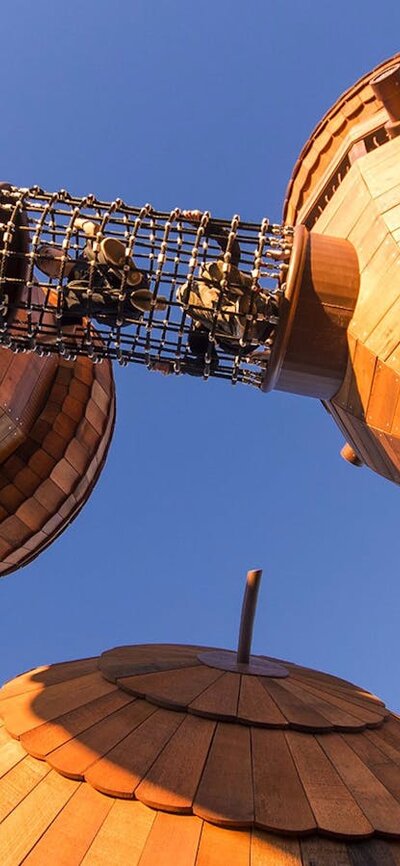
x=157 y=754
x=190 y=755
x=309 y=306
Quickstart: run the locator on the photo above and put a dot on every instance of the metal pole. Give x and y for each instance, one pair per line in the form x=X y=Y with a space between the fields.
x=247 y=618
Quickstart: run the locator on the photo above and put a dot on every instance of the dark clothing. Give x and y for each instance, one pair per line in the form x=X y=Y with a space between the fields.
x=239 y=303
x=104 y=304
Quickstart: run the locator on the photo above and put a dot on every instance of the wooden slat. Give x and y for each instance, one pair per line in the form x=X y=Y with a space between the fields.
x=341 y=712
x=256 y=706
x=123 y=768
x=335 y=808
x=220 y=699
x=173 y=688
x=225 y=792
x=296 y=711
x=220 y=847
x=345 y=691
x=394 y=851
x=25 y=712
x=383 y=397
x=330 y=710
x=280 y=802
x=68 y=838
x=368 y=231
x=48 y=675
x=17 y=784
x=383 y=745
x=375 y=852
x=122 y=837
x=176 y=837
x=381 y=765
x=364 y=364
x=132 y=660
x=11 y=753
x=172 y=780
x=325 y=852
x=49 y=736
x=74 y=757
x=278 y=851
x=390 y=731
x=381 y=170
x=377 y=804
x=25 y=825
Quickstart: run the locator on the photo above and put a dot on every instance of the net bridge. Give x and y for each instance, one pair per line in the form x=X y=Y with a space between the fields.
x=179 y=292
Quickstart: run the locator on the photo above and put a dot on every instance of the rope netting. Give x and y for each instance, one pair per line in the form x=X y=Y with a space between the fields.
x=180 y=292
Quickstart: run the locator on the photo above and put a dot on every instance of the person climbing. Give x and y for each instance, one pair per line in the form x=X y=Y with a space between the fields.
x=93 y=280
x=245 y=315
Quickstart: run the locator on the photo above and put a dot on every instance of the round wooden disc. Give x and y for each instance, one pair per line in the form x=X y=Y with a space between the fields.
x=226 y=660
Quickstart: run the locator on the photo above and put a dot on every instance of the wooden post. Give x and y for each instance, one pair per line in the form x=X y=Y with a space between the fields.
x=247 y=618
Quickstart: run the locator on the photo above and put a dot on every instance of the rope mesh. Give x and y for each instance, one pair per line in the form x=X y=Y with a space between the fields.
x=180 y=292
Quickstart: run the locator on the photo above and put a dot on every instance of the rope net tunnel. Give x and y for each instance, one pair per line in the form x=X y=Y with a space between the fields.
x=179 y=292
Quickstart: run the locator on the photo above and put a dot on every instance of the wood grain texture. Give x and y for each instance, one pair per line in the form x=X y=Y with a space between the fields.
x=367 y=405
x=333 y=805
x=23 y=713
x=356 y=106
x=279 y=796
x=173 y=688
x=172 y=676
x=378 y=805
x=54 y=465
x=123 y=768
x=24 y=826
x=73 y=758
x=225 y=792
x=45 y=738
x=175 y=839
x=47 y=819
x=218 y=847
x=236 y=775
x=173 y=779
x=69 y=836
x=122 y=836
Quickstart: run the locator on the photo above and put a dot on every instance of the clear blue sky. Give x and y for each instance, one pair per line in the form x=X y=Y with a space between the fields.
x=201 y=106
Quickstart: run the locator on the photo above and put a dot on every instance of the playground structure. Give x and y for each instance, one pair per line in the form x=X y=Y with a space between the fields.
x=327 y=277
x=199 y=756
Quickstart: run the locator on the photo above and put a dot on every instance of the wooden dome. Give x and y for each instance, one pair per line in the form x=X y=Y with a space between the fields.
x=147 y=755
x=56 y=421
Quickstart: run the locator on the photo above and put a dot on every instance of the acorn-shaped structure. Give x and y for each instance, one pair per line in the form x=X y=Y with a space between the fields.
x=346 y=187
x=193 y=756
x=56 y=423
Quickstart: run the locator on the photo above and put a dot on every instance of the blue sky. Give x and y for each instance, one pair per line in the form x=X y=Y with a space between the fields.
x=201 y=106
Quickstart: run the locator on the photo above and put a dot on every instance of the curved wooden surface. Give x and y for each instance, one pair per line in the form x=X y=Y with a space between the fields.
x=48 y=819
x=311 y=351
x=346 y=185
x=357 y=105
x=366 y=210
x=68 y=424
x=309 y=754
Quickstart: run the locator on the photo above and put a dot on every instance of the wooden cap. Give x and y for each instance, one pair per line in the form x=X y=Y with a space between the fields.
x=305 y=755
x=59 y=419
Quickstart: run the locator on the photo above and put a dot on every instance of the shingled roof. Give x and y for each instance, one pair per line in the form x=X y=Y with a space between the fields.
x=203 y=765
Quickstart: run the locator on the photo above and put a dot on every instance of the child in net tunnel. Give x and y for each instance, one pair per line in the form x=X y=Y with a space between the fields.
x=244 y=315
x=93 y=281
